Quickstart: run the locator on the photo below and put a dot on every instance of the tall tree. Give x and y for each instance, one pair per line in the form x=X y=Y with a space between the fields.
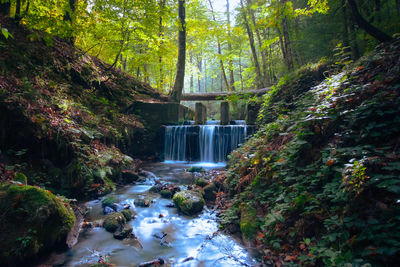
x=365 y=25
x=221 y=63
x=252 y=46
x=260 y=48
x=230 y=63
x=180 y=65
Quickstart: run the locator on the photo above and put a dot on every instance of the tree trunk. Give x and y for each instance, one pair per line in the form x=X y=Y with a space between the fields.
x=17 y=16
x=355 y=52
x=221 y=63
x=240 y=69
x=378 y=11
x=346 y=42
x=191 y=73
x=180 y=65
x=5 y=8
x=252 y=47
x=398 y=6
x=288 y=49
x=230 y=63
x=199 y=66
x=365 y=25
x=160 y=36
x=259 y=40
x=145 y=73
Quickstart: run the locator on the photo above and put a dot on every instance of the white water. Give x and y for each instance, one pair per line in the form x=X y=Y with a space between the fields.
x=204 y=143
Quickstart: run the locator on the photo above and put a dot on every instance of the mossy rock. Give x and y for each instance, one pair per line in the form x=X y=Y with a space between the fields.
x=166 y=193
x=123 y=232
x=128 y=214
x=113 y=221
x=248 y=221
x=156 y=188
x=189 y=202
x=109 y=201
x=140 y=202
x=33 y=222
x=201 y=182
x=129 y=176
x=195 y=169
x=20 y=177
x=210 y=192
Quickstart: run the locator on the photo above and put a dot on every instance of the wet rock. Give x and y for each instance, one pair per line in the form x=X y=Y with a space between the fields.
x=129 y=176
x=156 y=188
x=165 y=243
x=189 y=202
x=210 y=192
x=109 y=201
x=160 y=235
x=170 y=205
x=142 y=202
x=166 y=193
x=128 y=214
x=188 y=259
x=107 y=210
x=201 y=182
x=123 y=232
x=157 y=262
x=113 y=221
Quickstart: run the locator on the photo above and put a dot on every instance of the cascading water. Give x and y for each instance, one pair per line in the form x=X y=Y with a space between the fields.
x=204 y=143
x=175 y=143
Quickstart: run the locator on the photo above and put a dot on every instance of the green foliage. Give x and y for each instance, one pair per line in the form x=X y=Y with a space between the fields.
x=321 y=169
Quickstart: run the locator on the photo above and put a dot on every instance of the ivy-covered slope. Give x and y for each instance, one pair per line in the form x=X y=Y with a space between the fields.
x=319 y=184
x=62 y=120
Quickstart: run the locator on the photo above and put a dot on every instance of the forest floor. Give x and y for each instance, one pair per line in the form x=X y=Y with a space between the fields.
x=318 y=184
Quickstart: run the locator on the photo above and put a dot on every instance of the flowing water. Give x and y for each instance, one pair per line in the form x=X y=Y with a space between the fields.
x=204 y=143
x=194 y=239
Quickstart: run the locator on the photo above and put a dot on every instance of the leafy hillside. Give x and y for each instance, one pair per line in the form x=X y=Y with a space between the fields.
x=62 y=115
x=318 y=185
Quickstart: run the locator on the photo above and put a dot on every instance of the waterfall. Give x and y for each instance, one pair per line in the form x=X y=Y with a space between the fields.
x=204 y=143
x=175 y=143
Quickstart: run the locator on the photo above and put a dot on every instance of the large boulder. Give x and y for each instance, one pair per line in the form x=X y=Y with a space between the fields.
x=114 y=221
x=189 y=202
x=129 y=176
x=123 y=232
x=33 y=221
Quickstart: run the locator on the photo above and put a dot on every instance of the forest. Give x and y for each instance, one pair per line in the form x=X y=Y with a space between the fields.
x=199 y=132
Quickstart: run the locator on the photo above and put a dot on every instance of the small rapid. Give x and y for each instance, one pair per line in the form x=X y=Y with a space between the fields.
x=189 y=240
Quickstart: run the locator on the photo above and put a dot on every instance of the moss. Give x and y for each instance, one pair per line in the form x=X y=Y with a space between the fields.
x=128 y=214
x=248 y=221
x=189 y=202
x=201 y=182
x=113 y=221
x=20 y=177
x=195 y=169
x=26 y=210
x=166 y=193
x=109 y=201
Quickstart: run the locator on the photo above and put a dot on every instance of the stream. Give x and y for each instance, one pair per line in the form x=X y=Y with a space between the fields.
x=189 y=241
